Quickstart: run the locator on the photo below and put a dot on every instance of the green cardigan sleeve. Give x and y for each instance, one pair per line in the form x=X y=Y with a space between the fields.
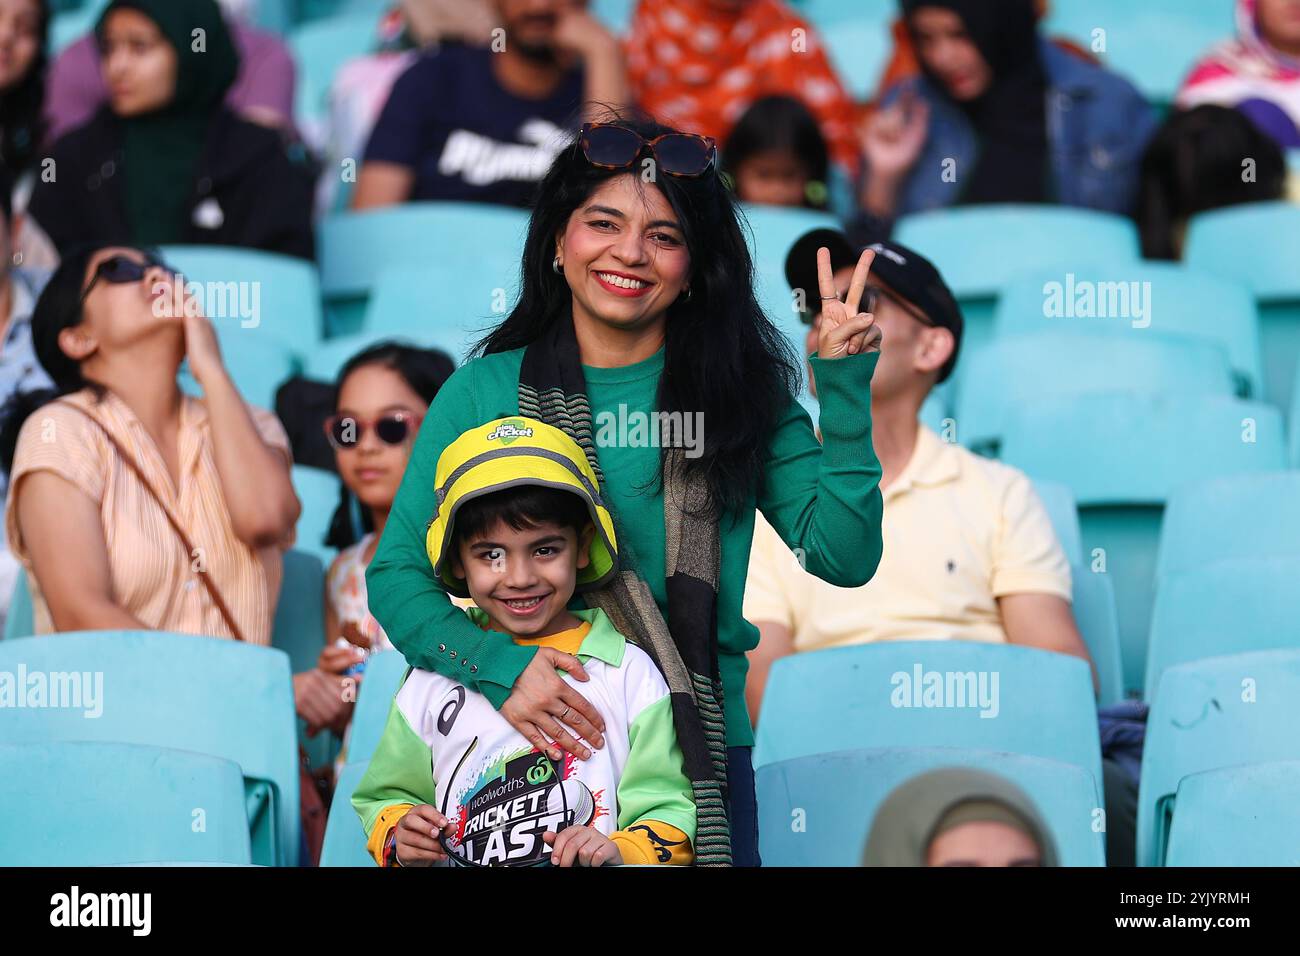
x=823 y=499
x=404 y=595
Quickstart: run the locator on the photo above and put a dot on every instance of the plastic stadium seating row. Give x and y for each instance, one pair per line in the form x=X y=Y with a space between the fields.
x=220 y=698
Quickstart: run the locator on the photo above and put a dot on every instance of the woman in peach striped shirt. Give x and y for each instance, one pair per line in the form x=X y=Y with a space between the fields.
x=95 y=535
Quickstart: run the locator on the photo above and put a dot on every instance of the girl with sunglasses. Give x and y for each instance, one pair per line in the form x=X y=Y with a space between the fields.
x=382 y=394
x=132 y=505
x=638 y=298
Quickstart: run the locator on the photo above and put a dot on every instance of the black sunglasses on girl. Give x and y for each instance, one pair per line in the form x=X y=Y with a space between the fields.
x=617 y=147
x=345 y=431
x=122 y=269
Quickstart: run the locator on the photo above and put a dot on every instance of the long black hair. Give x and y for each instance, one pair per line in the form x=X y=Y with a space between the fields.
x=425 y=371
x=722 y=356
x=22 y=127
x=781 y=124
x=59 y=307
x=1194 y=163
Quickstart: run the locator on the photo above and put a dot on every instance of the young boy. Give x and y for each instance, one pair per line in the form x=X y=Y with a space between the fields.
x=520 y=526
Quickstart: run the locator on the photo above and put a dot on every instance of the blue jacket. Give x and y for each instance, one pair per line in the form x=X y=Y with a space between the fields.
x=1098 y=125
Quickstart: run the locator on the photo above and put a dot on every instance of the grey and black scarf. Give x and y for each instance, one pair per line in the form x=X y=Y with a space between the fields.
x=553 y=389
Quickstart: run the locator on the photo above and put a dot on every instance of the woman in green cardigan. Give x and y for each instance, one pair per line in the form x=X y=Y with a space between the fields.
x=637 y=332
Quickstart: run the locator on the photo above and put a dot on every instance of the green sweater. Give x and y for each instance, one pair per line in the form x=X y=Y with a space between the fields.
x=822 y=499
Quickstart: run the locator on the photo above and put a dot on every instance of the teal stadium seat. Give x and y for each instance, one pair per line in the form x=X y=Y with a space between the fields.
x=459 y=313
x=445 y=239
x=1224 y=607
x=857 y=40
x=325 y=363
x=320 y=49
x=1249 y=243
x=615 y=14
x=258 y=369
x=19 y=621
x=1123 y=454
x=68 y=27
x=345 y=840
x=199 y=694
x=1098 y=623
x=1134 y=301
x=1238 y=816
x=868 y=696
x=1207 y=715
x=1152 y=44
x=818 y=810
x=383 y=676
x=1012 y=372
x=284 y=289
x=299 y=631
x=318 y=492
x=979 y=249
x=82 y=803
x=1252 y=515
x=1058 y=501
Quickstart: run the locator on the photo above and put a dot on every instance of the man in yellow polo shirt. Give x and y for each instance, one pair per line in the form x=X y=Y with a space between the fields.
x=969 y=551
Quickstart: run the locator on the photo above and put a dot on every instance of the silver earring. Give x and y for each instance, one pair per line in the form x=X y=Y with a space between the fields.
x=687 y=296
x=557 y=266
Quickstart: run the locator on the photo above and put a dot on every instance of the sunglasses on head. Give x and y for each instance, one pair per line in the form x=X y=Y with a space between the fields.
x=122 y=269
x=393 y=428
x=617 y=147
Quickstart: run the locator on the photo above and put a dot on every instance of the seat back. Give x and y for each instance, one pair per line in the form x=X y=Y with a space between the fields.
x=1227 y=242
x=345 y=840
x=1134 y=301
x=1209 y=714
x=1123 y=454
x=199 y=694
x=1238 y=816
x=111 y=803
x=930 y=694
x=1224 y=607
x=1255 y=515
x=318 y=492
x=263 y=295
x=383 y=676
x=818 y=810
x=356 y=247
x=1011 y=372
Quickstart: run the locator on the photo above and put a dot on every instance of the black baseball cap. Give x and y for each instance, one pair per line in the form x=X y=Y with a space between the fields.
x=904 y=271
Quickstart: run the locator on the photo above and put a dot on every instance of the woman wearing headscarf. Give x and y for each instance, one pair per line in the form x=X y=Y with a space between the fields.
x=1258 y=72
x=24 y=29
x=998 y=114
x=165 y=161
x=959 y=817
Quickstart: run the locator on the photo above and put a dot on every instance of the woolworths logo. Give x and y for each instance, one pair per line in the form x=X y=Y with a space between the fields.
x=508 y=432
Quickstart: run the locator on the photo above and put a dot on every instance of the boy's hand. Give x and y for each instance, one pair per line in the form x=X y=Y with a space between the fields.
x=581 y=846
x=417 y=836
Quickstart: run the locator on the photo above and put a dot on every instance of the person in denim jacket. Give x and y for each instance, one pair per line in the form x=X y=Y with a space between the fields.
x=998 y=114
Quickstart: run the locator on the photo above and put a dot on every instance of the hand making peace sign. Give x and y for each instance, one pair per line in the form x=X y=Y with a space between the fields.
x=844 y=330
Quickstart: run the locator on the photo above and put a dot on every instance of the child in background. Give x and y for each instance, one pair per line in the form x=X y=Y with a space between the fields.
x=776 y=155
x=382 y=395
x=520 y=526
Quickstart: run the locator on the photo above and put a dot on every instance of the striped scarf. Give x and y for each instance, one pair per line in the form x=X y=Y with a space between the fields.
x=553 y=389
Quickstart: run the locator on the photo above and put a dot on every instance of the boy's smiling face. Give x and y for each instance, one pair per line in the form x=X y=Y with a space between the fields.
x=522 y=579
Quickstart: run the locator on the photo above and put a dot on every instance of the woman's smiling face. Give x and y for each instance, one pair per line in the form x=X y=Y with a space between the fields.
x=624 y=255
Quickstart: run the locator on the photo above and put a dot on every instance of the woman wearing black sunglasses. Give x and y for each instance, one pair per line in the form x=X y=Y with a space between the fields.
x=638 y=298
x=132 y=505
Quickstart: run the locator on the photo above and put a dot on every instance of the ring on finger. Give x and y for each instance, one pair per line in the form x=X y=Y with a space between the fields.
x=567 y=708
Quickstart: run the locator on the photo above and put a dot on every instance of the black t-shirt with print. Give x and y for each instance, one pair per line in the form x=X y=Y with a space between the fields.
x=466 y=137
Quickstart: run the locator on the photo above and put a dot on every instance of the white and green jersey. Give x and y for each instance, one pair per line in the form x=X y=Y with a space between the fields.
x=447 y=746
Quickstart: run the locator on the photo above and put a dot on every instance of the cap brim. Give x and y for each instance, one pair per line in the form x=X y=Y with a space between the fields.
x=801 y=260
